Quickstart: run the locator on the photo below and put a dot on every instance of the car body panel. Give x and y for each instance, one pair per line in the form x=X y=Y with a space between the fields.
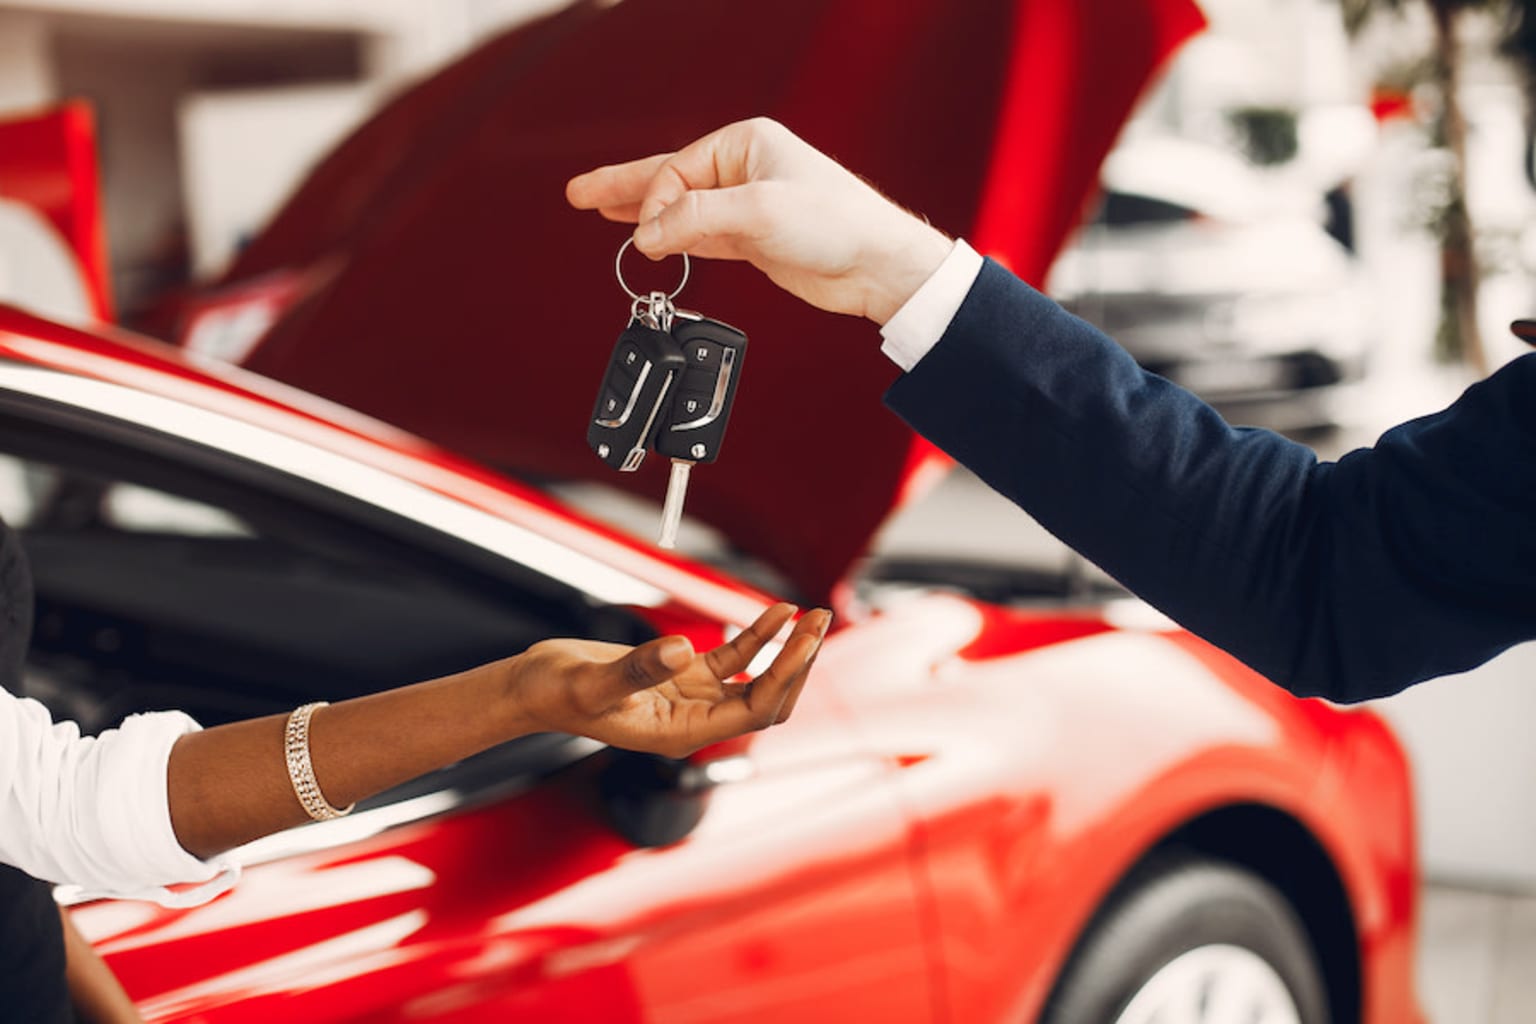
x=1040 y=779
x=793 y=897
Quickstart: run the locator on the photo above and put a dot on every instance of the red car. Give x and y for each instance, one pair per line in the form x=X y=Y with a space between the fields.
x=977 y=813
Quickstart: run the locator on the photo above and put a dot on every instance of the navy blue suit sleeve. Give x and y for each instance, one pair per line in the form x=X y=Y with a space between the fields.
x=1346 y=580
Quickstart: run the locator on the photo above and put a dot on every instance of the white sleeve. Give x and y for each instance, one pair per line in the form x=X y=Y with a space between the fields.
x=920 y=323
x=95 y=811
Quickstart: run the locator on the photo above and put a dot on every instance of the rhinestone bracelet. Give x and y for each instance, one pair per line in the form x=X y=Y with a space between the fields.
x=300 y=772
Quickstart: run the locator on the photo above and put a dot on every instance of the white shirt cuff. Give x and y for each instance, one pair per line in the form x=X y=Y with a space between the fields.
x=922 y=320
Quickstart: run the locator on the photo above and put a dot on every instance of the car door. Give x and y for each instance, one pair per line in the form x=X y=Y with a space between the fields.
x=174 y=571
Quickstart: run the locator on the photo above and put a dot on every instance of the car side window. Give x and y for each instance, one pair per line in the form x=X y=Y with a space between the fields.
x=159 y=587
x=1126 y=209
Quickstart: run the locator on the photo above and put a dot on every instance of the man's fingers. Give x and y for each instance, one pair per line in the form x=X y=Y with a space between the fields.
x=628 y=213
x=656 y=182
x=736 y=654
x=615 y=185
x=717 y=223
x=719 y=160
x=701 y=199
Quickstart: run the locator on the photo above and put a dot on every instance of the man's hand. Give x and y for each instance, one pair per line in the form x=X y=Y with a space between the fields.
x=754 y=191
x=662 y=697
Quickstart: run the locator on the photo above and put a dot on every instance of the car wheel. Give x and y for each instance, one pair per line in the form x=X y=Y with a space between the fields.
x=1190 y=941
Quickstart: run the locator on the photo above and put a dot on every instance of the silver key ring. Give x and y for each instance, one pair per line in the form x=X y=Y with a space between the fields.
x=618 y=270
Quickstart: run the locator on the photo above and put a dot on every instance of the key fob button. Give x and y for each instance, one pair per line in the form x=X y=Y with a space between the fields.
x=704 y=355
x=612 y=403
x=692 y=404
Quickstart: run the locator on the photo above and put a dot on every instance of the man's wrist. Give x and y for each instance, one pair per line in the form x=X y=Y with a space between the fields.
x=919 y=324
x=905 y=265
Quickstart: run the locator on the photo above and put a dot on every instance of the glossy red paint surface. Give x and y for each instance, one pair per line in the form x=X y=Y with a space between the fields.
x=959 y=790
x=533 y=907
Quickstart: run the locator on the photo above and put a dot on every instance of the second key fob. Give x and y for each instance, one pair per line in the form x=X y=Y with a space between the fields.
x=697 y=414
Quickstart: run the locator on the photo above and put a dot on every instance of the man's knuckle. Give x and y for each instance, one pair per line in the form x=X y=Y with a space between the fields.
x=765 y=126
x=691 y=206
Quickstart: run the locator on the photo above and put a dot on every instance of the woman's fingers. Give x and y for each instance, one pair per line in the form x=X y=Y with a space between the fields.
x=762 y=701
x=736 y=654
x=770 y=691
x=797 y=684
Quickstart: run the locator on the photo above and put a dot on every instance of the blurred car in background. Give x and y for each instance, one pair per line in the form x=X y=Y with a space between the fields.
x=1221 y=278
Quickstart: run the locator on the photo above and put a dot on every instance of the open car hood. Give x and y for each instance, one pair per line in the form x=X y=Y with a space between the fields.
x=430 y=273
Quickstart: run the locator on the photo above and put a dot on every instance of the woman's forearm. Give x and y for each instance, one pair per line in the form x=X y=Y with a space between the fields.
x=230 y=784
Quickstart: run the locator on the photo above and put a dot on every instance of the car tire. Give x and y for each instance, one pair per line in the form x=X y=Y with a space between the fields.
x=1188 y=937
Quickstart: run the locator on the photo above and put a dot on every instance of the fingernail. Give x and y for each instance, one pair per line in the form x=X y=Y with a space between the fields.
x=676 y=652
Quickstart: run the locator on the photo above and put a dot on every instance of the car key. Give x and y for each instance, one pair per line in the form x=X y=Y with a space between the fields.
x=697 y=415
x=642 y=369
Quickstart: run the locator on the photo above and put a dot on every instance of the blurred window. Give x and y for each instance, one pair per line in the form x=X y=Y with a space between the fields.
x=1125 y=209
x=162 y=582
x=171 y=576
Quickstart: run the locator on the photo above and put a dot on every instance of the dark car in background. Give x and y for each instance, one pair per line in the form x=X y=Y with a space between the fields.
x=1223 y=278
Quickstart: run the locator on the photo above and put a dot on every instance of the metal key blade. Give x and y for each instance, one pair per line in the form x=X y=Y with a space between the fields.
x=672 y=506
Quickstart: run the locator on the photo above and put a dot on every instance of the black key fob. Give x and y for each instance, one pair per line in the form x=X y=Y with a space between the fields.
x=639 y=382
